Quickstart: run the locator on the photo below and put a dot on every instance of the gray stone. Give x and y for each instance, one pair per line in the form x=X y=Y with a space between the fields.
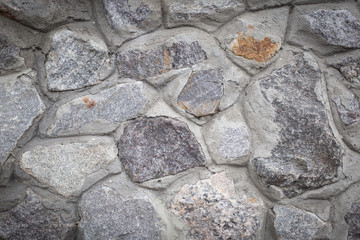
x=212 y=210
x=349 y=68
x=76 y=61
x=61 y=164
x=303 y=154
x=20 y=105
x=99 y=113
x=31 y=219
x=260 y=4
x=202 y=93
x=108 y=212
x=293 y=224
x=45 y=14
x=337 y=27
x=156 y=147
x=9 y=57
x=204 y=14
x=352 y=218
x=348 y=109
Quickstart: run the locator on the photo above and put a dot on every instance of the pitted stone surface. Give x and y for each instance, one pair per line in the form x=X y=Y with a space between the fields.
x=202 y=93
x=350 y=69
x=45 y=14
x=352 y=218
x=157 y=147
x=348 y=109
x=99 y=113
x=212 y=210
x=9 y=56
x=292 y=224
x=107 y=213
x=306 y=155
x=337 y=27
x=60 y=165
x=74 y=63
x=32 y=220
x=20 y=104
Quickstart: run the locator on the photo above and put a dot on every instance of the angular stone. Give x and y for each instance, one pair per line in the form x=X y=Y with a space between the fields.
x=30 y=219
x=20 y=104
x=108 y=212
x=75 y=61
x=337 y=27
x=352 y=219
x=202 y=93
x=349 y=69
x=204 y=14
x=348 y=109
x=293 y=224
x=9 y=56
x=303 y=153
x=61 y=164
x=101 y=112
x=212 y=210
x=45 y=14
x=156 y=147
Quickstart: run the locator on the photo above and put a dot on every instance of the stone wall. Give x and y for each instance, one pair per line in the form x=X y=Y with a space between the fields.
x=169 y=119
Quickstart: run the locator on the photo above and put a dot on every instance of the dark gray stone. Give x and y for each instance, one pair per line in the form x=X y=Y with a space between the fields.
x=349 y=68
x=157 y=147
x=337 y=27
x=9 y=56
x=202 y=93
x=352 y=218
x=349 y=113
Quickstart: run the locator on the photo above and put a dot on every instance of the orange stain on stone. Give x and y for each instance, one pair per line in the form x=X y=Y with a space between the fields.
x=167 y=61
x=89 y=102
x=252 y=200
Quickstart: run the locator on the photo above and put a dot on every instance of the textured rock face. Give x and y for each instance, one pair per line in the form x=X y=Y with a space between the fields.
x=157 y=147
x=9 y=56
x=348 y=109
x=350 y=69
x=212 y=210
x=20 y=104
x=306 y=155
x=352 y=218
x=74 y=62
x=60 y=165
x=293 y=224
x=107 y=213
x=45 y=14
x=337 y=27
x=106 y=109
x=202 y=93
x=31 y=220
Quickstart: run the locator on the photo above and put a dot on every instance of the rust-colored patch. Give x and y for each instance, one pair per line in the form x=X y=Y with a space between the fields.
x=167 y=61
x=89 y=102
x=250 y=27
x=252 y=200
x=250 y=48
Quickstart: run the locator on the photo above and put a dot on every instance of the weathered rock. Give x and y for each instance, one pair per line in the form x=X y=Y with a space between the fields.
x=30 y=219
x=20 y=104
x=61 y=164
x=101 y=112
x=212 y=210
x=76 y=61
x=349 y=68
x=348 y=109
x=293 y=223
x=352 y=218
x=9 y=57
x=337 y=27
x=45 y=14
x=109 y=212
x=296 y=149
x=156 y=147
x=202 y=93
x=204 y=14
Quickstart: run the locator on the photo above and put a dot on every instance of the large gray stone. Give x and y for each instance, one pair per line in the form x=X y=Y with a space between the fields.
x=76 y=61
x=156 y=147
x=352 y=218
x=99 y=113
x=9 y=56
x=82 y=161
x=20 y=104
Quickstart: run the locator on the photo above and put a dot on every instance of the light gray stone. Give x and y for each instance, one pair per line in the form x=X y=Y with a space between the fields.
x=9 y=56
x=260 y=4
x=20 y=105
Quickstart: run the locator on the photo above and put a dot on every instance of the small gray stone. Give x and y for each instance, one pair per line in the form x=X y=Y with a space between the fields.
x=352 y=218
x=348 y=109
x=20 y=104
x=350 y=69
x=99 y=113
x=75 y=61
x=337 y=27
x=9 y=57
x=156 y=147
x=202 y=93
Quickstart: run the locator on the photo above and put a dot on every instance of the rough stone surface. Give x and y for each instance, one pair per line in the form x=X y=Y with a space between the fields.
x=202 y=93
x=109 y=213
x=101 y=112
x=74 y=62
x=337 y=27
x=348 y=109
x=60 y=165
x=293 y=224
x=9 y=56
x=352 y=218
x=212 y=210
x=45 y=14
x=32 y=220
x=20 y=104
x=349 y=69
x=157 y=147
